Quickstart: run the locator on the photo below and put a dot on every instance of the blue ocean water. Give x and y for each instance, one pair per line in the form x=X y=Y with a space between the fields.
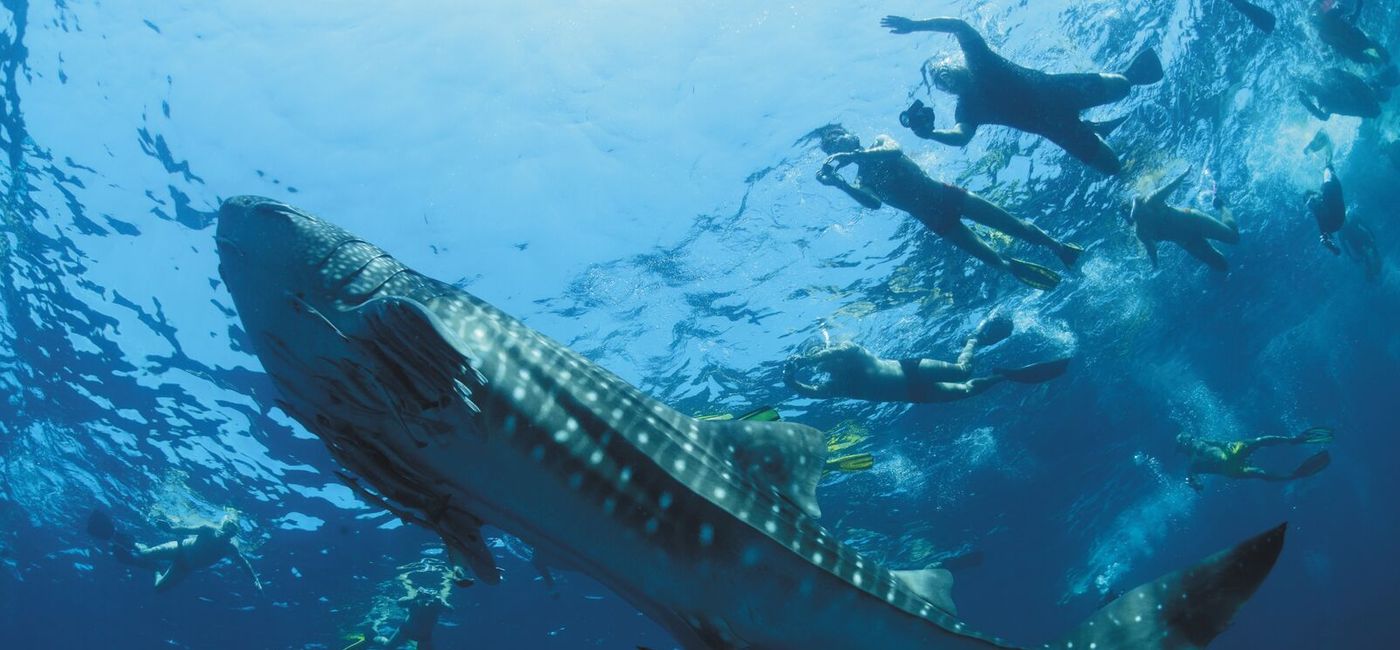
x=633 y=180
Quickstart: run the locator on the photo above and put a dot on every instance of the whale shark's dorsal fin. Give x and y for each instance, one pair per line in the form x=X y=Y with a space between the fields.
x=934 y=585
x=784 y=456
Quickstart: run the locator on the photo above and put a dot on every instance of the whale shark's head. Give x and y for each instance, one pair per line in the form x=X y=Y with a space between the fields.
x=270 y=251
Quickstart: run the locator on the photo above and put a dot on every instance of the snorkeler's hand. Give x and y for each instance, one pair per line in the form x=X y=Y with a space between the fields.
x=827 y=176
x=898 y=24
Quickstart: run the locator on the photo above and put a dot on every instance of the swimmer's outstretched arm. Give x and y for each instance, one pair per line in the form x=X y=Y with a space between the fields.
x=242 y=560
x=973 y=45
x=827 y=176
x=1151 y=246
x=1160 y=196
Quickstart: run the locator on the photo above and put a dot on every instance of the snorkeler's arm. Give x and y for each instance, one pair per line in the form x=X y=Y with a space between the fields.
x=958 y=136
x=242 y=561
x=1161 y=194
x=1194 y=481
x=828 y=176
x=1356 y=13
x=972 y=43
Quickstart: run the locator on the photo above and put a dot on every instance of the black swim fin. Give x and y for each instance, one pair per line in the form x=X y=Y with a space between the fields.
x=1145 y=70
x=1035 y=373
x=1316 y=436
x=1033 y=275
x=1314 y=464
x=1261 y=17
x=1105 y=129
x=1069 y=254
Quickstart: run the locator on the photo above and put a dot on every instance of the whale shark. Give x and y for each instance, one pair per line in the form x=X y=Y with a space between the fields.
x=455 y=415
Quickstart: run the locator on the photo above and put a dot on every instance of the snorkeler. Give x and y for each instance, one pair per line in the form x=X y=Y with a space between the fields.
x=851 y=371
x=886 y=175
x=1338 y=92
x=841 y=438
x=1231 y=459
x=423 y=607
x=197 y=548
x=1155 y=222
x=993 y=90
x=1338 y=29
x=1329 y=208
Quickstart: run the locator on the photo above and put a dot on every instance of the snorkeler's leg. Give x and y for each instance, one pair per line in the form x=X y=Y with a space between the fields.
x=172 y=575
x=1201 y=249
x=1263 y=475
x=1225 y=230
x=940 y=392
x=992 y=215
x=958 y=234
x=1078 y=91
x=159 y=553
x=1083 y=142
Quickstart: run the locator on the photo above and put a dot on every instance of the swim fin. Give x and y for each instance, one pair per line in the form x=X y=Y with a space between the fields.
x=852 y=463
x=1316 y=436
x=1035 y=373
x=1033 y=275
x=761 y=414
x=841 y=442
x=1145 y=70
x=1069 y=254
x=1314 y=464
x=1260 y=16
x=358 y=642
x=1105 y=129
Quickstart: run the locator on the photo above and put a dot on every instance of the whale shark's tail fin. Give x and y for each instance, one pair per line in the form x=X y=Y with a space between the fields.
x=1185 y=609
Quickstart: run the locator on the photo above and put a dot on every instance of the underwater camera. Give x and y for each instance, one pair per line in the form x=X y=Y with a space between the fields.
x=918 y=118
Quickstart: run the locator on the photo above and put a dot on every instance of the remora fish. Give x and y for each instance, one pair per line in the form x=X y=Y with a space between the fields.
x=459 y=414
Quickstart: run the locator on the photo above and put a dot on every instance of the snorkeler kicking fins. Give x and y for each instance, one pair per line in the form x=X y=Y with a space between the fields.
x=461 y=415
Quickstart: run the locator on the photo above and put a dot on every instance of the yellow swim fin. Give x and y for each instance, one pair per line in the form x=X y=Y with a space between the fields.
x=852 y=463
x=761 y=414
x=1033 y=275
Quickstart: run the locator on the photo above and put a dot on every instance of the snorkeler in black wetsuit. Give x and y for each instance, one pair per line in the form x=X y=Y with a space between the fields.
x=1231 y=459
x=1338 y=92
x=1338 y=29
x=993 y=90
x=886 y=175
x=1329 y=207
x=1155 y=221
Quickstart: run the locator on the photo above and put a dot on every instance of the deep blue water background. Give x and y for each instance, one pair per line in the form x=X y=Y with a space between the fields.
x=631 y=179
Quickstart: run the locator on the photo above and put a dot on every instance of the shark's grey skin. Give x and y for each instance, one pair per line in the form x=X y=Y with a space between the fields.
x=459 y=414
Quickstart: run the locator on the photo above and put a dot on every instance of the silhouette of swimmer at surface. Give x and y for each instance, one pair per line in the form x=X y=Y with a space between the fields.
x=851 y=371
x=197 y=548
x=1338 y=92
x=1156 y=222
x=993 y=90
x=1338 y=29
x=1231 y=458
x=885 y=175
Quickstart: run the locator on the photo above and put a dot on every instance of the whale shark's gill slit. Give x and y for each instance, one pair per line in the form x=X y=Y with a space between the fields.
x=335 y=250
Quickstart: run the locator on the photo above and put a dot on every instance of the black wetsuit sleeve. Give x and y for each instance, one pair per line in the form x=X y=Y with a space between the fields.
x=975 y=49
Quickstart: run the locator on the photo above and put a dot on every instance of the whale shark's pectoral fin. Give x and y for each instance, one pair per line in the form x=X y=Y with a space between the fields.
x=785 y=456
x=933 y=585
x=468 y=548
x=1185 y=609
x=422 y=365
